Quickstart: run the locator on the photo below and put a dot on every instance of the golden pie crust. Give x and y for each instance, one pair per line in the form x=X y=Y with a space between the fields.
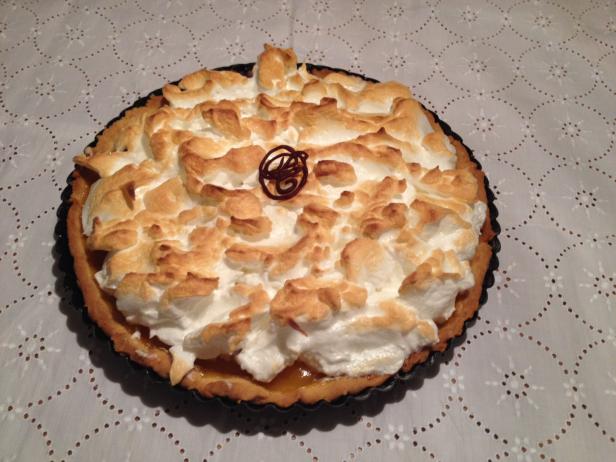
x=222 y=377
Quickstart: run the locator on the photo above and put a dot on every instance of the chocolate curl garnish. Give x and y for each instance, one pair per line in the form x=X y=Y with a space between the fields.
x=287 y=169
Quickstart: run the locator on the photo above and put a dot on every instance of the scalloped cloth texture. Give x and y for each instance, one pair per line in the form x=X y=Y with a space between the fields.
x=224 y=379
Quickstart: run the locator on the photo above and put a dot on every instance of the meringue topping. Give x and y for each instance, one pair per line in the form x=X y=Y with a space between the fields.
x=350 y=273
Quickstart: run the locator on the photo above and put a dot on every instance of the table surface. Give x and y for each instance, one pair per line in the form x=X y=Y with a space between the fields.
x=529 y=86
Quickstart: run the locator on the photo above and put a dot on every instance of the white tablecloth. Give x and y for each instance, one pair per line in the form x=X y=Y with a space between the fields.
x=529 y=86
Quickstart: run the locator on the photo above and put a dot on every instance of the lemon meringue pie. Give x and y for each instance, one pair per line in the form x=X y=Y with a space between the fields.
x=287 y=235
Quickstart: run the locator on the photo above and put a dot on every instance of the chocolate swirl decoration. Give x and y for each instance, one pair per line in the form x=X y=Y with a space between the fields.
x=287 y=168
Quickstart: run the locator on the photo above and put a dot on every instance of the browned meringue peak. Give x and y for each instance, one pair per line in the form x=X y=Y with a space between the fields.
x=457 y=184
x=124 y=145
x=190 y=232
x=275 y=64
x=200 y=161
x=335 y=173
x=354 y=94
x=364 y=258
x=191 y=286
x=257 y=301
x=226 y=123
x=168 y=198
x=134 y=259
x=388 y=160
x=439 y=266
x=252 y=228
x=204 y=85
x=376 y=211
x=113 y=235
x=169 y=118
x=277 y=260
x=430 y=217
x=115 y=197
x=395 y=317
x=325 y=123
x=430 y=222
x=248 y=258
x=144 y=286
x=139 y=285
x=309 y=299
x=239 y=203
x=221 y=338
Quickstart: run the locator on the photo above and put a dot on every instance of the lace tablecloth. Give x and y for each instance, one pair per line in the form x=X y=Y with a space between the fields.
x=530 y=87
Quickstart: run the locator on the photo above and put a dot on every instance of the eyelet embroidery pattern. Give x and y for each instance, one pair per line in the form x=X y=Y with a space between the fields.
x=512 y=78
